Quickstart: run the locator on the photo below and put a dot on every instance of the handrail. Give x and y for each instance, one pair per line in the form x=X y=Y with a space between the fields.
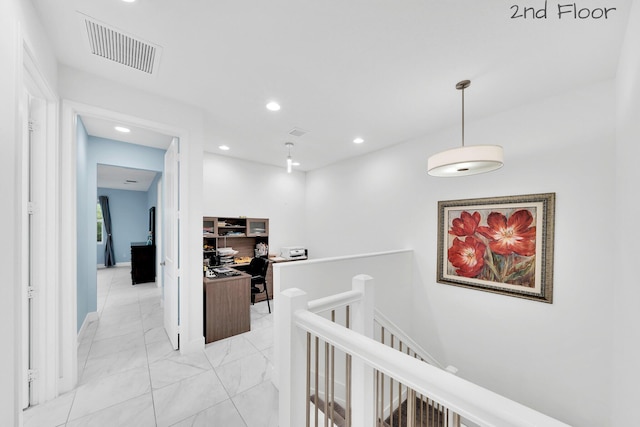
x=473 y=402
x=334 y=301
x=384 y=321
x=343 y=258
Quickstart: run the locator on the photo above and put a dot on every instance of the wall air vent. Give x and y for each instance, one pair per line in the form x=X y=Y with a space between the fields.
x=110 y=43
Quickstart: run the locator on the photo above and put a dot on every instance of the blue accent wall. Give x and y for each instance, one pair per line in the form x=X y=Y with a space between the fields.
x=152 y=194
x=91 y=152
x=129 y=221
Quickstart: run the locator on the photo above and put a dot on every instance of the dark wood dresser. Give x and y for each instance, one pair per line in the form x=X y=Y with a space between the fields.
x=143 y=263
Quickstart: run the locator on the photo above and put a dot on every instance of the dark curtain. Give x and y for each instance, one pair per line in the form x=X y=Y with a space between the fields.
x=109 y=257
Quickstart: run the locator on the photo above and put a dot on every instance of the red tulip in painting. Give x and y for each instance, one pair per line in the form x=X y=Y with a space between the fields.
x=501 y=251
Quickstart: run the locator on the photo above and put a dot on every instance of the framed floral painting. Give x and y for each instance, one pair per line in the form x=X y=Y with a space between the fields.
x=500 y=244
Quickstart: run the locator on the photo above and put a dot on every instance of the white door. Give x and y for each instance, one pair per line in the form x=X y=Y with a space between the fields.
x=159 y=236
x=171 y=209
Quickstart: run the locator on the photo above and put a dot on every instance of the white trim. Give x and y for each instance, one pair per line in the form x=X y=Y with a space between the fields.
x=68 y=246
x=89 y=318
x=44 y=181
x=68 y=232
x=23 y=240
x=118 y=264
x=192 y=346
x=342 y=258
x=399 y=333
x=471 y=401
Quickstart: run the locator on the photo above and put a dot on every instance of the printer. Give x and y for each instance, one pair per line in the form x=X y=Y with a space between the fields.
x=293 y=252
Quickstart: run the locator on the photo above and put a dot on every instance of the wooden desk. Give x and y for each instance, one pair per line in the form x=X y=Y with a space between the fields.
x=226 y=306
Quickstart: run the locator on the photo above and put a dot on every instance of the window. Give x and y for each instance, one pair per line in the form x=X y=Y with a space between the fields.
x=100 y=225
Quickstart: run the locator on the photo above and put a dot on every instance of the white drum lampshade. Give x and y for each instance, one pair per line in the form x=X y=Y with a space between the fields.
x=466 y=160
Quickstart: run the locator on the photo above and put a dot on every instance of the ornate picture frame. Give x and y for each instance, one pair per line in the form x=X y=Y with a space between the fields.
x=502 y=245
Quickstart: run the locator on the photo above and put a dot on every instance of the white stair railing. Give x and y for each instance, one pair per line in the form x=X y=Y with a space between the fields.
x=366 y=361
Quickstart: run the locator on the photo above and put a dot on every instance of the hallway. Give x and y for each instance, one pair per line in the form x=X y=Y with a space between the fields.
x=128 y=374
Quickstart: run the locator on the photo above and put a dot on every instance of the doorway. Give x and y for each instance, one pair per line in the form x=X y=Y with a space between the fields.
x=70 y=183
x=126 y=176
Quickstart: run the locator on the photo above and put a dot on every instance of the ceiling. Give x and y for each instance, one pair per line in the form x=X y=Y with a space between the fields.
x=106 y=129
x=120 y=178
x=381 y=70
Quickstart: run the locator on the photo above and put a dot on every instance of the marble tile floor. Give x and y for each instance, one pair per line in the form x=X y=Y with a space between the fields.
x=129 y=375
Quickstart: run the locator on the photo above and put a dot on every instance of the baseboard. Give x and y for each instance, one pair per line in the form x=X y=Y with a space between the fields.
x=90 y=317
x=118 y=264
x=192 y=346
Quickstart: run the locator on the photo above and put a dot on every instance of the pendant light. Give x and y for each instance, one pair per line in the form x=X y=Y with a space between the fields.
x=289 y=159
x=466 y=160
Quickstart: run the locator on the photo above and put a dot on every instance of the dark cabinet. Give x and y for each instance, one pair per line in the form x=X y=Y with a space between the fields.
x=143 y=263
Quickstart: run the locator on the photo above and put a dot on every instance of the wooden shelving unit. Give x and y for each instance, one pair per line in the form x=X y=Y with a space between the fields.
x=242 y=234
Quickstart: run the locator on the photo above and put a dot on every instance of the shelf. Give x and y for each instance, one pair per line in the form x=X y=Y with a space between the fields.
x=246 y=234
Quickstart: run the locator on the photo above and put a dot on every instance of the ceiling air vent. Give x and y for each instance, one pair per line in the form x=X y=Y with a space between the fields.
x=110 y=43
x=297 y=132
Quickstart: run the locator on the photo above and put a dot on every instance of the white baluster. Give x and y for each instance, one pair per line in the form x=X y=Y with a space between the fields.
x=293 y=400
x=362 y=374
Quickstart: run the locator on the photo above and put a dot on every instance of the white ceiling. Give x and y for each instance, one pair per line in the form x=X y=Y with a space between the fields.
x=106 y=129
x=121 y=178
x=383 y=70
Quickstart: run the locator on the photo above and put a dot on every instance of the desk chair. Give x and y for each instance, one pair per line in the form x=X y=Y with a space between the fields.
x=258 y=271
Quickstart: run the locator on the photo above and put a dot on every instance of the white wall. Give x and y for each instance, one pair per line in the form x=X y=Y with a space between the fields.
x=9 y=259
x=624 y=283
x=555 y=358
x=235 y=187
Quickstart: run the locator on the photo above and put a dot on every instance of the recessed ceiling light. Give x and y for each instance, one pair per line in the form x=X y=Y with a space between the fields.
x=295 y=164
x=273 y=106
x=224 y=147
x=358 y=141
x=128 y=1
x=122 y=129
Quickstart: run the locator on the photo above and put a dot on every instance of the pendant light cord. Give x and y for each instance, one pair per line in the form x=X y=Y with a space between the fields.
x=463 y=116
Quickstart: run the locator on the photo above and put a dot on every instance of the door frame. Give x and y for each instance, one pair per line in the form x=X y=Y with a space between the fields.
x=68 y=228
x=39 y=333
x=171 y=227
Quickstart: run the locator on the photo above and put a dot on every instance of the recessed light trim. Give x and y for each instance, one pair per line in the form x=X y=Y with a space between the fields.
x=122 y=129
x=358 y=140
x=273 y=106
x=224 y=147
